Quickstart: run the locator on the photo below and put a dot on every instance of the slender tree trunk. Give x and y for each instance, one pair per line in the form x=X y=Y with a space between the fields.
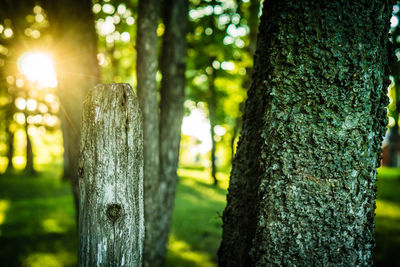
x=75 y=44
x=394 y=133
x=212 y=108
x=114 y=61
x=236 y=130
x=393 y=144
x=253 y=25
x=66 y=168
x=146 y=69
x=10 y=150
x=171 y=112
x=302 y=186
x=29 y=167
x=10 y=134
x=111 y=212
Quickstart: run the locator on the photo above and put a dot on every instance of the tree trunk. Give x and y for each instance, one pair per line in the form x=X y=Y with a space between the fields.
x=146 y=69
x=66 y=168
x=393 y=144
x=29 y=167
x=394 y=133
x=111 y=212
x=236 y=130
x=75 y=46
x=10 y=150
x=302 y=186
x=253 y=19
x=212 y=108
x=10 y=134
x=171 y=114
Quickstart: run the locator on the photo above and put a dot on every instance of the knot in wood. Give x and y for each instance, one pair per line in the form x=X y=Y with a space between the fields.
x=114 y=211
x=80 y=172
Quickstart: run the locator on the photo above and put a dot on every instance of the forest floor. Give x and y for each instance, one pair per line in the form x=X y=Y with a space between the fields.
x=37 y=226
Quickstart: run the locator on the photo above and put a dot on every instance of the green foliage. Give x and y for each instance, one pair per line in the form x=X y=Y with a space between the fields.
x=394 y=89
x=116 y=29
x=216 y=40
x=23 y=101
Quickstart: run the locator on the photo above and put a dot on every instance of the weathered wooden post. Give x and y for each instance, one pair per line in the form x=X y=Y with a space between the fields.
x=111 y=228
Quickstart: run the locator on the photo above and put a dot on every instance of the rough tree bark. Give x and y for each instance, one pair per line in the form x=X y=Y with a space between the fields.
x=146 y=69
x=302 y=186
x=75 y=46
x=171 y=112
x=111 y=212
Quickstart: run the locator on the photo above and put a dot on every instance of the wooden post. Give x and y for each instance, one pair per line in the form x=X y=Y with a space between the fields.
x=111 y=216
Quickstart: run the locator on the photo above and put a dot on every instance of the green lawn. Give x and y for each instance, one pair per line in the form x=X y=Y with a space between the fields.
x=37 y=226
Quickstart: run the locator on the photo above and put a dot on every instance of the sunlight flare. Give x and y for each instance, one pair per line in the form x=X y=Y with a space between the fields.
x=38 y=68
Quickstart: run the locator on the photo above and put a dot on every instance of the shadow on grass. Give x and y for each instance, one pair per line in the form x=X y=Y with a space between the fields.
x=196 y=224
x=37 y=226
x=389 y=189
x=387 y=230
x=387 y=237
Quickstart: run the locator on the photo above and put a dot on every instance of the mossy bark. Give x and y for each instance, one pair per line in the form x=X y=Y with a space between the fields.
x=111 y=212
x=302 y=188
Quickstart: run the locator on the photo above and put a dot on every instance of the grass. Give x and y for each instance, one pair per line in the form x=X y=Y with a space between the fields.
x=196 y=223
x=37 y=226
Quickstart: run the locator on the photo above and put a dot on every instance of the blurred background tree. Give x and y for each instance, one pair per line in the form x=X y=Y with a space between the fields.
x=391 y=149
x=28 y=84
